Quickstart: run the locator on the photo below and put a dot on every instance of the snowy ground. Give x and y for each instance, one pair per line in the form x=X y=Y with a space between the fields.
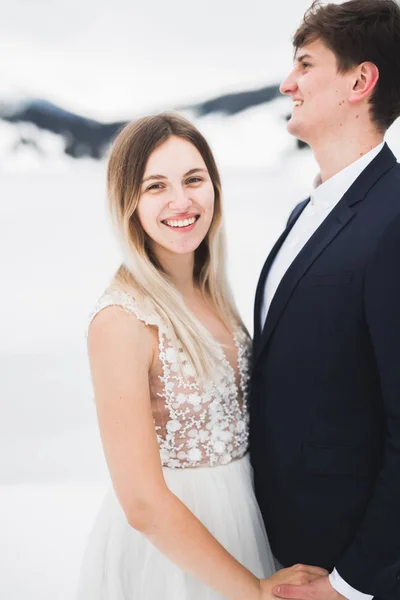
x=58 y=254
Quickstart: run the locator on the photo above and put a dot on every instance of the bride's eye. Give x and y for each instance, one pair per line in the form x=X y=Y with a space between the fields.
x=194 y=180
x=155 y=186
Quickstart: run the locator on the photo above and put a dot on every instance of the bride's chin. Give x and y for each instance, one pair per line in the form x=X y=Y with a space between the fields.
x=180 y=249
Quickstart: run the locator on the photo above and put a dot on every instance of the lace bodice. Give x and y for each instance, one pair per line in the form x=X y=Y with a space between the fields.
x=197 y=424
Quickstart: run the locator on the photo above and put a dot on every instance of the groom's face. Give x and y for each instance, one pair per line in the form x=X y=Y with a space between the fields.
x=319 y=93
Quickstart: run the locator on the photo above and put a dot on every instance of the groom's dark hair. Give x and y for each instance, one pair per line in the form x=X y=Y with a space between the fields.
x=360 y=31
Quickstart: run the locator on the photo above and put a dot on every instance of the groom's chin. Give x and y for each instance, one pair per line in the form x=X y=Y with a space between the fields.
x=295 y=129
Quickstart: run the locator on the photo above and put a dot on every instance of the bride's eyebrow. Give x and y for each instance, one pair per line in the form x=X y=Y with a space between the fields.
x=154 y=177
x=191 y=171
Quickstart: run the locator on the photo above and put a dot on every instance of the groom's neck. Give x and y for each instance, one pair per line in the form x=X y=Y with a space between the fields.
x=337 y=152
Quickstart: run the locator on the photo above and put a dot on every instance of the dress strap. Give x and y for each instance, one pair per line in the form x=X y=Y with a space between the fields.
x=114 y=297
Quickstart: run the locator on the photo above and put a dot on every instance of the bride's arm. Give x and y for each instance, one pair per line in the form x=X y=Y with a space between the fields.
x=121 y=352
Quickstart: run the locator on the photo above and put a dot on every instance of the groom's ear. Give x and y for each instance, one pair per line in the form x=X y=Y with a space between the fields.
x=365 y=79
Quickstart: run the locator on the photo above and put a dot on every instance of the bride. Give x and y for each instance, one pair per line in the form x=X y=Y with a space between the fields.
x=170 y=361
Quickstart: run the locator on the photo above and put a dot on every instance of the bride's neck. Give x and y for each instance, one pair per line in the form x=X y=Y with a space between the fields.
x=180 y=268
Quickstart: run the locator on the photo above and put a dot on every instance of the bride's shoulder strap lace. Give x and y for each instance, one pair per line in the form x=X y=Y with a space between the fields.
x=115 y=297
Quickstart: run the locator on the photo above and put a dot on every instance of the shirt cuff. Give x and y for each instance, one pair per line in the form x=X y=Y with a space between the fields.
x=345 y=589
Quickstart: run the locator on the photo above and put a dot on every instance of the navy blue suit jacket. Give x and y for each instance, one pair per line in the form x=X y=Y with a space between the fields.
x=325 y=399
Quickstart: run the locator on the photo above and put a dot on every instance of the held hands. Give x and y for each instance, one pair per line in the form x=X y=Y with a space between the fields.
x=298 y=577
x=319 y=588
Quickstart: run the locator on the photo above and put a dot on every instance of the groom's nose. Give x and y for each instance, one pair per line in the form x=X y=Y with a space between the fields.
x=288 y=85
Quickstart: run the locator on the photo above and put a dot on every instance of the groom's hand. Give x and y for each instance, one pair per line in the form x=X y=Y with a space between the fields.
x=320 y=589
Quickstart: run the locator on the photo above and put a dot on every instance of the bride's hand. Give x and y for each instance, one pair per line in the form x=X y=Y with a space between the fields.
x=297 y=575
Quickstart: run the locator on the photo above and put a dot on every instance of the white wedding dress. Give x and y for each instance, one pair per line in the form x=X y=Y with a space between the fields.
x=203 y=438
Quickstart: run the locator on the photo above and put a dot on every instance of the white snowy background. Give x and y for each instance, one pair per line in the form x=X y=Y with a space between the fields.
x=112 y=61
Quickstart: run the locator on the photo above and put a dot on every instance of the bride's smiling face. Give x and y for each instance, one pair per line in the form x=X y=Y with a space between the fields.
x=176 y=202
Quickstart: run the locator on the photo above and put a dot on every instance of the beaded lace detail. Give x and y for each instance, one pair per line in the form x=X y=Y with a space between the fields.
x=197 y=424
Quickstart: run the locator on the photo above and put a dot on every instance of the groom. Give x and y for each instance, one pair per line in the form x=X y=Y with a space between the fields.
x=325 y=404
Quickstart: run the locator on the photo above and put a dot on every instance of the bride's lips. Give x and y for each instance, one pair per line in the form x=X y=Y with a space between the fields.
x=182 y=229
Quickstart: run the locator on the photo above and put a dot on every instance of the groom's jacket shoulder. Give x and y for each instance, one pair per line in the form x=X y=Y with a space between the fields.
x=375 y=197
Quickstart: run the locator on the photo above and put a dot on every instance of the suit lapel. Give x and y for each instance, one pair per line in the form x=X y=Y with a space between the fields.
x=323 y=236
x=265 y=270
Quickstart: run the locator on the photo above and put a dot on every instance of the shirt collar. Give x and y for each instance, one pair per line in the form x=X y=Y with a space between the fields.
x=331 y=191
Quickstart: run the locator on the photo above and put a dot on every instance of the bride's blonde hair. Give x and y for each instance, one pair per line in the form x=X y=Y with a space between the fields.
x=141 y=274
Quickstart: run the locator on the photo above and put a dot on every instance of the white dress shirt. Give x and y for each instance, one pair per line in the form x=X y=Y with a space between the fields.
x=323 y=200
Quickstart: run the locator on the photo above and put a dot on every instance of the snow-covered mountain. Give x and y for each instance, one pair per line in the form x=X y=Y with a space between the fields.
x=32 y=130
x=31 y=120
x=245 y=129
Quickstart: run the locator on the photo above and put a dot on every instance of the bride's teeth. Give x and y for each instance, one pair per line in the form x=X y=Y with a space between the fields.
x=298 y=102
x=183 y=223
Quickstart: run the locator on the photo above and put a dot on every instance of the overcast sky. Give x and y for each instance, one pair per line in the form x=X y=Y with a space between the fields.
x=109 y=59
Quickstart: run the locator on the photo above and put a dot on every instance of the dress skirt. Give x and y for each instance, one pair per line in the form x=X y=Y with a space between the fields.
x=121 y=564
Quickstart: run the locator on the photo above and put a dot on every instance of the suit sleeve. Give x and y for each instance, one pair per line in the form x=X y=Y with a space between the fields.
x=342 y=587
x=372 y=563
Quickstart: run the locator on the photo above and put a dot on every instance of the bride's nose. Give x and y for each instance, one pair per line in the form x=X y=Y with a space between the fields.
x=180 y=200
